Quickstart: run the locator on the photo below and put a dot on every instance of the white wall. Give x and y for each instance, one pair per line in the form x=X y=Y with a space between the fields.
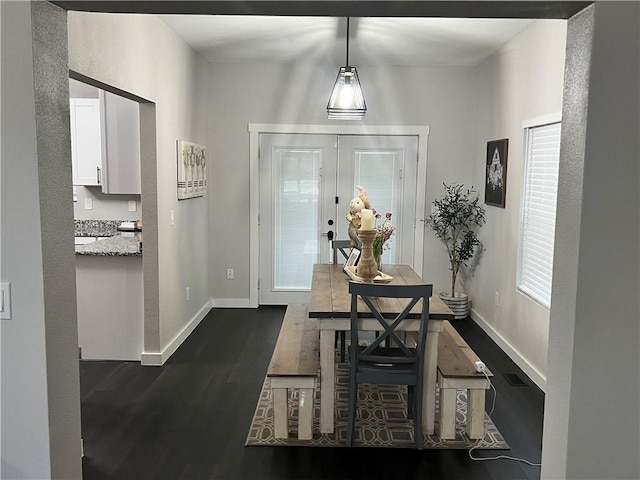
x=24 y=418
x=140 y=55
x=522 y=81
x=440 y=98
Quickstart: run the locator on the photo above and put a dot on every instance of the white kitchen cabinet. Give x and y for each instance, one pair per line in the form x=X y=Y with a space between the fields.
x=86 y=141
x=105 y=143
x=122 y=145
x=110 y=307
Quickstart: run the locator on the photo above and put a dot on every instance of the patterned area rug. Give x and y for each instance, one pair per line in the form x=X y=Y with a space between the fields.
x=381 y=421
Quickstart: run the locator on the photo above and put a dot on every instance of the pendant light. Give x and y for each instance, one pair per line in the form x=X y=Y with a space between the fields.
x=347 y=101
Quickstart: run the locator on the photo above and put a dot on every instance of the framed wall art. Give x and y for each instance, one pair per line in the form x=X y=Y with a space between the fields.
x=192 y=170
x=495 y=188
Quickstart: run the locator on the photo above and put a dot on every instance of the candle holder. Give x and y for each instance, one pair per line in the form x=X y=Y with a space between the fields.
x=367 y=267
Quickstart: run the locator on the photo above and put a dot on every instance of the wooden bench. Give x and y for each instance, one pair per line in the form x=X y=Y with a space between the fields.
x=294 y=364
x=456 y=370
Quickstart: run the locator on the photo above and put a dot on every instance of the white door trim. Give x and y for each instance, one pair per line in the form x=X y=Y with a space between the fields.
x=255 y=129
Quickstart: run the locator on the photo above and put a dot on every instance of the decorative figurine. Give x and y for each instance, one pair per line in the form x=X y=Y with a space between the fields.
x=353 y=216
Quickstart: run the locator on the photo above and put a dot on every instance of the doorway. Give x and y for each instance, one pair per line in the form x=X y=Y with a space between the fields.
x=306 y=181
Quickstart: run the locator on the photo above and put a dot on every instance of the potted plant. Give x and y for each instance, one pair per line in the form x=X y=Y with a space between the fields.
x=455 y=218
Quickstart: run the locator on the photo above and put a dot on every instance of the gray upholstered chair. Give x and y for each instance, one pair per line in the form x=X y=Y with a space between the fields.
x=396 y=365
x=343 y=247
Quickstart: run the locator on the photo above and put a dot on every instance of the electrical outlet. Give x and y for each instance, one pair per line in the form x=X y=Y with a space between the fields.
x=188 y=294
x=172 y=217
x=497 y=300
x=229 y=273
x=133 y=205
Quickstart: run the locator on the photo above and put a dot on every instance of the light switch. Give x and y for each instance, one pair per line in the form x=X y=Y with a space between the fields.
x=172 y=217
x=5 y=301
x=133 y=206
x=88 y=204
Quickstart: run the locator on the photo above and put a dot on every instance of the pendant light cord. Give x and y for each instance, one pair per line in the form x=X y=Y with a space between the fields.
x=347 y=41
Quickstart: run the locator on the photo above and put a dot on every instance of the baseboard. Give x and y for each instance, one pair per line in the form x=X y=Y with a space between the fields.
x=232 y=303
x=158 y=358
x=537 y=377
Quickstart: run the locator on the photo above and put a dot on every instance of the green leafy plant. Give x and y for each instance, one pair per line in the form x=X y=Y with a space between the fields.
x=454 y=219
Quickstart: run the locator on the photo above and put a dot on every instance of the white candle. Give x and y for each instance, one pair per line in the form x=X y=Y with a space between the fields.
x=367 y=222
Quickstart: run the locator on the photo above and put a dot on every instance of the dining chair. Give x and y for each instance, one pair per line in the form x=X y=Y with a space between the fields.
x=344 y=247
x=400 y=364
x=340 y=246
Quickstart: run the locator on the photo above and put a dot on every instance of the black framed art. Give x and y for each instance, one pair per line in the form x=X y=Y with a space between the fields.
x=495 y=187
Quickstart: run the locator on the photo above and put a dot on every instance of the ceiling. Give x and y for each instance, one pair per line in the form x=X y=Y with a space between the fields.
x=322 y=40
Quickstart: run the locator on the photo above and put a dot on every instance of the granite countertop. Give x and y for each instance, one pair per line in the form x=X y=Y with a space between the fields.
x=119 y=245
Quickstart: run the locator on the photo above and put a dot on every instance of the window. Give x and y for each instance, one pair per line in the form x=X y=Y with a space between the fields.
x=540 y=191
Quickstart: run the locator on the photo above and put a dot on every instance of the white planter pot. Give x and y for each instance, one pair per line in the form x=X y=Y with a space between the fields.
x=459 y=304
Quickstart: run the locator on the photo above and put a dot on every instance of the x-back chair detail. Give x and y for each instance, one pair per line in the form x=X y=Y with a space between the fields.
x=400 y=364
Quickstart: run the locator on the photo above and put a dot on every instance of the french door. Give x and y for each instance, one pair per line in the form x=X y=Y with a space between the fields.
x=306 y=184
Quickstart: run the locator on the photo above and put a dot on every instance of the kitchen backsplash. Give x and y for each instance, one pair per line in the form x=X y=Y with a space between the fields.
x=90 y=204
x=96 y=228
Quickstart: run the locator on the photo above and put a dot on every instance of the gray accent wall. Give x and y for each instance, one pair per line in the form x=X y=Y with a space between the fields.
x=24 y=416
x=53 y=141
x=592 y=419
x=40 y=379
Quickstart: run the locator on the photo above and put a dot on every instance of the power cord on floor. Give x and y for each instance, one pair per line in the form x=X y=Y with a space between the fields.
x=499 y=457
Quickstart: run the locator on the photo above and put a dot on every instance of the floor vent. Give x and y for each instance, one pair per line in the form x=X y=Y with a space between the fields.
x=514 y=379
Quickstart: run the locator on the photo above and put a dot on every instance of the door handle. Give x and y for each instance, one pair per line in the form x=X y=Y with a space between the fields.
x=329 y=235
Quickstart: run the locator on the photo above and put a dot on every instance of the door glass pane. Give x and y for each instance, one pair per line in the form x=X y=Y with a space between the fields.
x=378 y=172
x=296 y=193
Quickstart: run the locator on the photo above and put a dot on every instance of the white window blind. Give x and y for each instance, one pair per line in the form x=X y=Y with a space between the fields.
x=539 y=212
x=380 y=172
x=296 y=176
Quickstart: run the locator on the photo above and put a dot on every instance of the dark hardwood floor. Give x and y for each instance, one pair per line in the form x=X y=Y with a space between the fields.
x=189 y=418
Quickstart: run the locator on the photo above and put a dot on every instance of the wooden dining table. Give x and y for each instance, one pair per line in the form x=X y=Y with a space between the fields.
x=330 y=303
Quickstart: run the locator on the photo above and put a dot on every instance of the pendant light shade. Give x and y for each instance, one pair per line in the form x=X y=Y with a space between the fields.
x=347 y=100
